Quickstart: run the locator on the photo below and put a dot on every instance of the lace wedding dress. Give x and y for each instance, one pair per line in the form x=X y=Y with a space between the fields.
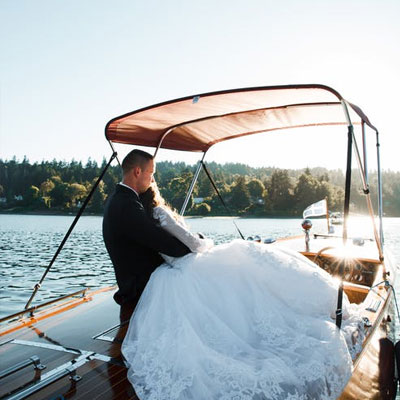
x=241 y=320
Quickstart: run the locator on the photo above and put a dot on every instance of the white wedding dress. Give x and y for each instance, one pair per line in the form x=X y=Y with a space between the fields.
x=241 y=320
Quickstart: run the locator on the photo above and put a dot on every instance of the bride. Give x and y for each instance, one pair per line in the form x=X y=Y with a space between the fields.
x=242 y=320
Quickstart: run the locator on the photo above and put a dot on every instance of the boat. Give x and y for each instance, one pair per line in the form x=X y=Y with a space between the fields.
x=70 y=348
x=336 y=218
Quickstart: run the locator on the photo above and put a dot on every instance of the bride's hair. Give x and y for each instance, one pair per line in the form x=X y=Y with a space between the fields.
x=152 y=198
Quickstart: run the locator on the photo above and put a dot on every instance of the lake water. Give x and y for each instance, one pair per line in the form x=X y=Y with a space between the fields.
x=28 y=243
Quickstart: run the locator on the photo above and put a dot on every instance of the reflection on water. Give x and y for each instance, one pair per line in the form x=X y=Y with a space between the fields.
x=28 y=243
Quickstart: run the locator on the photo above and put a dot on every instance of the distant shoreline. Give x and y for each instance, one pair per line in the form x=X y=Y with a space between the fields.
x=85 y=214
x=43 y=212
x=90 y=214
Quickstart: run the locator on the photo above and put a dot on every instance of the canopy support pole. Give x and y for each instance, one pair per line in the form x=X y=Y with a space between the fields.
x=348 y=182
x=379 y=189
x=114 y=152
x=327 y=214
x=346 y=206
x=366 y=191
x=348 y=170
x=85 y=203
x=364 y=141
x=220 y=197
x=161 y=140
x=194 y=180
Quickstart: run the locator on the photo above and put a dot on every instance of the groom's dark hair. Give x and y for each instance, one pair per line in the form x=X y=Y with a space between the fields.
x=135 y=158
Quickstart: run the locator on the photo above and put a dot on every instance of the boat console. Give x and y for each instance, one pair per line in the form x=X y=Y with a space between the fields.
x=357 y=271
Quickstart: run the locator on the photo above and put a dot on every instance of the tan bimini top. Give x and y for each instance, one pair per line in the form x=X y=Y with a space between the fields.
x=195 y=123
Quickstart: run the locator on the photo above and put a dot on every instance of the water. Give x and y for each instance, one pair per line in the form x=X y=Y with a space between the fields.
x=28 y=243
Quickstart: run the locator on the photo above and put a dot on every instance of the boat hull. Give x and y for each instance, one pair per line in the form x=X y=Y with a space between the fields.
x=374 y=373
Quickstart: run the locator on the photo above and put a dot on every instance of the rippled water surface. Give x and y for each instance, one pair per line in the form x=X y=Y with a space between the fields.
x=28 y=243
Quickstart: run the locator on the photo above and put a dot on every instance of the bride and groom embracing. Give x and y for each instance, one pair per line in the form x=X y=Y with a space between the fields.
x=240 y=320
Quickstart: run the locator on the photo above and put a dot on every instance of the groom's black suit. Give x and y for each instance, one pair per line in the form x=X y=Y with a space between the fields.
x=134 y=241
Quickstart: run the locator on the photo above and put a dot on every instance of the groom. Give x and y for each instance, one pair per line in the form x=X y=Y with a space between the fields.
x=132 y=239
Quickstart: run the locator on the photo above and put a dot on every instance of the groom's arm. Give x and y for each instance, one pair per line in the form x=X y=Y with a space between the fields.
x=181 y=232
x=141 y=229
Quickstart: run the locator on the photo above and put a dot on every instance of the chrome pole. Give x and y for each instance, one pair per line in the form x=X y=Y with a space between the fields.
x=364 y=141
x=194 y=180
x=350 y=135
x=114 y=152
x=359 y=163
x=368 y=198
x=352 y=141
x=379 y=190
x=161 y=140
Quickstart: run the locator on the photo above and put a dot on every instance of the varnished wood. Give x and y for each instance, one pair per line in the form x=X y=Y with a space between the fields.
x=73 y=327
x=373 y=377
x=355 y=293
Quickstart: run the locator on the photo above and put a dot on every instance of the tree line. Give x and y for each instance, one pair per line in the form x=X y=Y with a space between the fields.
x=60 y=186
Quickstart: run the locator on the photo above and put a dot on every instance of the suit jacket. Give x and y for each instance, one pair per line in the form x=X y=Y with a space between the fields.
x=134 y=241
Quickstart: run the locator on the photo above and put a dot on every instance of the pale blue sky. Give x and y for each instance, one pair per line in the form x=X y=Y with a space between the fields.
x=68 y=66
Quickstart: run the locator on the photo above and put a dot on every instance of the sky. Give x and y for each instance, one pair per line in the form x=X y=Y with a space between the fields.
x=68 y=66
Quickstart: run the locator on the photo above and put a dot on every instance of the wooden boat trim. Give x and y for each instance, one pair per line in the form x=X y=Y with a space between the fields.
x=375 y=318
x=353 y=390
x=57 y=309
x=356 y=287
x=34 y=308
x=379 y=316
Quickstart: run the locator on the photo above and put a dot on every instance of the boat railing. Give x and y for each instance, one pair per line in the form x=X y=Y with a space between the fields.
x=34 y=360
x=31 y=310
x=356 y=240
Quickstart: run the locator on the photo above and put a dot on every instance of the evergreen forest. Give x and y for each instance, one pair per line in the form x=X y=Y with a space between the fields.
x=59 y=187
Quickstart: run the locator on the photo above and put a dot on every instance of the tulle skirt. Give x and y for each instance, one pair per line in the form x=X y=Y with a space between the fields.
x=241 y=321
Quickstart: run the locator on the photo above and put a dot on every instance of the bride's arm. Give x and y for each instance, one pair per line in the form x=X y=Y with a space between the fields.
x=171 y=225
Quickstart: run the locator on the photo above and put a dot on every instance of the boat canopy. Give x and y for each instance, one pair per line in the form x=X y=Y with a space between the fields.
x=195 y=123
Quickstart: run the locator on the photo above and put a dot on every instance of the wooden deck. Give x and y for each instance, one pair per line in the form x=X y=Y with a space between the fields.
x=79 y=364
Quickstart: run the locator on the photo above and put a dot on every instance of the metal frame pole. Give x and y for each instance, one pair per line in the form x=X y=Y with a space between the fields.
x=368 y=198
x=380 y=211
x=194 y=180
x=161 y=140
x=114 y=152
x=364 y=141
x=351 y=141
x=348 y=171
